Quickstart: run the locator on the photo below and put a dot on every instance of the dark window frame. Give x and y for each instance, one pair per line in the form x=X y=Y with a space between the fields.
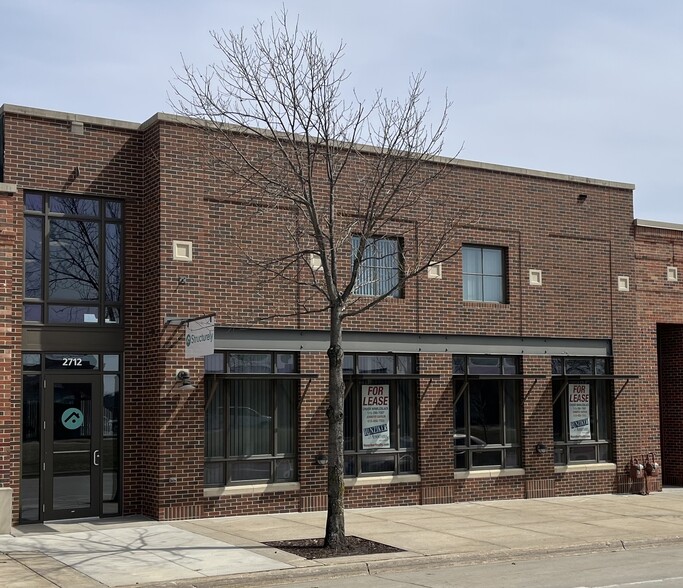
x=402 y=389
x=590 y=371
x=109 y=311
x=224 y=466
x=373 y=265
x=506 y=378
x=481 y=276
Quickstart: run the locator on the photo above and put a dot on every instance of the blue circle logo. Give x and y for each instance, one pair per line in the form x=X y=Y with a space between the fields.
x=72 y=418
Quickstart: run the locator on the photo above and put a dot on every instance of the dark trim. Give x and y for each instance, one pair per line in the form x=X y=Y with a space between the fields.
x=392 y=376
x=266 y=376
x=500 y=377
x=300 y=340
x=577 y=378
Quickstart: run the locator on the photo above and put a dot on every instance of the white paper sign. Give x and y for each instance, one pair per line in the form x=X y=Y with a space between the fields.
x=375 y=416
x=199 y=337
x=579 y=411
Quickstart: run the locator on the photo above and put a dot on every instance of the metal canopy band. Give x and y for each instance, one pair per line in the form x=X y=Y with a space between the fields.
x=575 y=378
x=261 y=376
x=392 y=376
x=500 y=377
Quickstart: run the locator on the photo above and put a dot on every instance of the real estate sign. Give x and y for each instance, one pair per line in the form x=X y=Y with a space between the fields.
x=375 y=416
x=579 y=411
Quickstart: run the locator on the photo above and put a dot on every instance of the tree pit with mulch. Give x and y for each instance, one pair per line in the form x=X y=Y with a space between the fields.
x=315 y=548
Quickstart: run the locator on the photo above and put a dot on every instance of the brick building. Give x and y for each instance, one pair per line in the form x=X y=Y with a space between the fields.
x=525 y=366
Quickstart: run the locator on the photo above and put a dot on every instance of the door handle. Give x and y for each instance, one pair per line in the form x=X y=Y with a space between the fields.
x=96 y=457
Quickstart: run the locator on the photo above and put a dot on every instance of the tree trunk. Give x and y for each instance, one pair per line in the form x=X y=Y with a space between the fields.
x=335 y=533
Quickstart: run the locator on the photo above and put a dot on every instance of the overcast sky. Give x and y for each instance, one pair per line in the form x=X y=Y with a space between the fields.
x=583 y=87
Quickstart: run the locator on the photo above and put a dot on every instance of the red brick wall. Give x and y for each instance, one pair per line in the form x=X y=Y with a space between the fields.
x=660 y=319
x=160 y=171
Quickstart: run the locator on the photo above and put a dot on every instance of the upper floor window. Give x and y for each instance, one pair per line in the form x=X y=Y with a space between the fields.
x=483 y=274
x=72 y=259
x=380 y=266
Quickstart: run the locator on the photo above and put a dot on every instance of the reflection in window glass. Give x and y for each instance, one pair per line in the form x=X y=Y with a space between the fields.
x=73 y=267
x=59 y=314
x=250 y=363
x=33 y=313
x=380 y=266
x=30 y=448
x=486 y=413
x=33 y=256
x=74 y=205
x=113 y=209
x=112 y=262
x=214 y=363
x=33 y=202
x=111 y=363
x=251 y=423
x=482 y=364
x=578 y=367
x=80 y=262
x=284 y=363
x=30 y=361
x=109 y=455
x=375 y=364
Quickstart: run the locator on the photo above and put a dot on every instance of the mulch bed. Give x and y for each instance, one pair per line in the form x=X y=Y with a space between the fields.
x=314 y=548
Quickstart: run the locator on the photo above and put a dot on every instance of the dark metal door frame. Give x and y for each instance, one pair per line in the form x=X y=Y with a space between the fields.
x=49 y=511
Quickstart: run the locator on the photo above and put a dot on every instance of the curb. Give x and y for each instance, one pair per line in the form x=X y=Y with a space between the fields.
x=410 y=562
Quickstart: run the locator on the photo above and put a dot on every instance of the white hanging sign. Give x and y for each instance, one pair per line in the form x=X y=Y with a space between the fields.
x=199 y=337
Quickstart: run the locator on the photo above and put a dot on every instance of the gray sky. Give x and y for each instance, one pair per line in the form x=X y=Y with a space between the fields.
x=584 y=87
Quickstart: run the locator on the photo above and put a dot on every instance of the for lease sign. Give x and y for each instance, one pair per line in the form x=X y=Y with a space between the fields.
x=375 y=416
x=579 y=411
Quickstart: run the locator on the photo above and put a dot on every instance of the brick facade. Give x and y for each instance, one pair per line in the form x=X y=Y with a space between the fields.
x=578 y=232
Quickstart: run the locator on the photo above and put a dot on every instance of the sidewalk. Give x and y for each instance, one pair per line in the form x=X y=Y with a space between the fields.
x=228 y=551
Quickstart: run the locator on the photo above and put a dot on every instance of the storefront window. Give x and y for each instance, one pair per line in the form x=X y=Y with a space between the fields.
x=380 y=431
x=486 y=412
x=250 y=422
x=582 y=410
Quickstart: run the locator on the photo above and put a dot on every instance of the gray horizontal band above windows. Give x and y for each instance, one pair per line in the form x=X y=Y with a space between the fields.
x=575 y=378
x=263 y=376
x=229 y=339
x=500 y=377
x=392 y=376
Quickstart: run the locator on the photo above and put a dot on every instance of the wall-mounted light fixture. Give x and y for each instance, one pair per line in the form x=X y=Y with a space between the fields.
x=581 y=198
x=182 y=377
x=321 y=459
x=541 y=448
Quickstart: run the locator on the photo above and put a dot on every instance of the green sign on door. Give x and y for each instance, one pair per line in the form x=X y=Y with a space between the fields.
x=72 y=418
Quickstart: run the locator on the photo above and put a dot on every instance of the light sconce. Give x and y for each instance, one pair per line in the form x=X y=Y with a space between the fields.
x=182 y=377
x=321 y=459
x=581 y=198
x=541 y=448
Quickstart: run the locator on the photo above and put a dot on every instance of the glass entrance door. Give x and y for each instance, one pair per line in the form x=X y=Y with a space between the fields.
x=71 y=455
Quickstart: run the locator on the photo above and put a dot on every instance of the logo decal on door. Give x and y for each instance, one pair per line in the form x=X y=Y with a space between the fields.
x=72 y=418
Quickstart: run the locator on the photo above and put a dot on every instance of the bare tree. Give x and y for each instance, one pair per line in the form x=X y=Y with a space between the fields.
x=356 y=175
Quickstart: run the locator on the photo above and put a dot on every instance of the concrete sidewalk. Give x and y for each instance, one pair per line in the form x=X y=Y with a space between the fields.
x=229 y=551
